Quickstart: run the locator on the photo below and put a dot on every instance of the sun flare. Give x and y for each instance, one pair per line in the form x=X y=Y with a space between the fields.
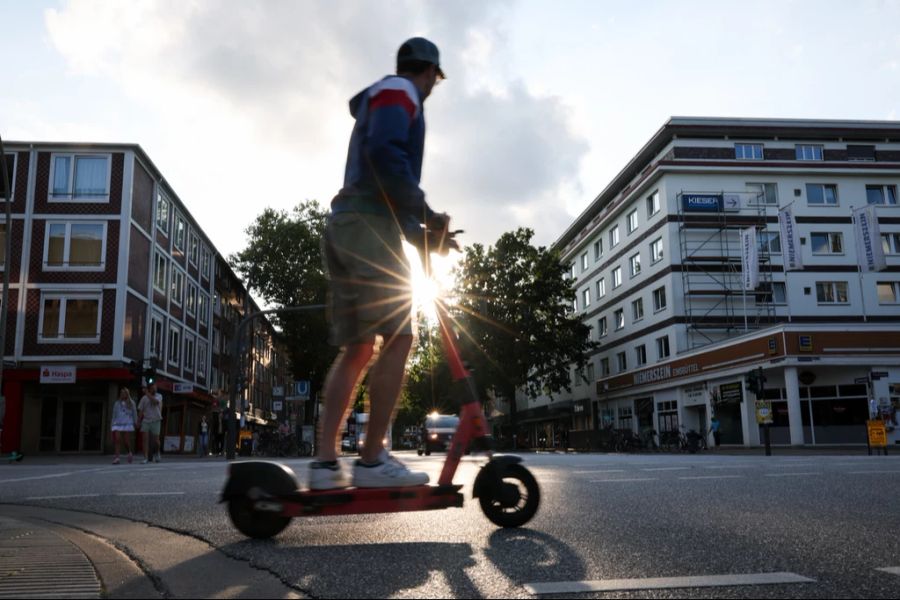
x=427 y=290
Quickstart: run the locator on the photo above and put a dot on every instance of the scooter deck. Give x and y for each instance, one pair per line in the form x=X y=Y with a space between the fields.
x=303 y=503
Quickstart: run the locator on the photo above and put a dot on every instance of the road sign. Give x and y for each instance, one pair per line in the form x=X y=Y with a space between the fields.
x=732 y=202
x=301 y=389
x=277 y=391
x=277 y=405
x=877 y=433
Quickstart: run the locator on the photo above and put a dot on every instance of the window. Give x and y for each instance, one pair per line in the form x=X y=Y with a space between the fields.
x=602 y=328
x=860 y=152
x=653 y=204
x=586 y=297
x=601 y=287
x=575 y=304
x=70 y=318
x=162 y=213
x=809 y=152
x=824 y=194
x=204 y=263
x=572 y=271
x=766 y=193
x=156 y=336
x=619 y=317
x=159 y=273
x=632 y=221
x=640 y=355
x=590 y=372
x=659 y=299
x=191 y=304
x=617 y=277
x=180 y=232
x=889 y=292
x=827 y=243
x=768 y=242
x=584 y=262
x=598 y=249
x=79 y=178
x=779 y=293
x=635 y=264
x=203 y=308
x=11 y=174
x=656 y=250
x=891 y=243
x=662 y=347
x=174 y=344
x=881 y=194
x=194 y=249
x=75 y=245
x=177 y=291
x=614 y=236
x=622 y=361
x=637 y=310
x=748 y=151
x=604 y=367
x=188 y=353
x=831 y=292
x=201 y=359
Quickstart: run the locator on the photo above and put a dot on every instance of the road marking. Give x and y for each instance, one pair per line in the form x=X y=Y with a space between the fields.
x=595 y=472
x=869 y=472
x=150 y=494
x=715 y=477
x=789 y=474
x=791 y=466
x=658 y=583
x=891 y=570
x=616 y=480
x=668 y=469
x=63 y=497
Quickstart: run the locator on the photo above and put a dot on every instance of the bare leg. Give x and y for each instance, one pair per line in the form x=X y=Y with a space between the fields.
x=146 y=444
x=117 y=442
x=342 y=380
x=385 y=380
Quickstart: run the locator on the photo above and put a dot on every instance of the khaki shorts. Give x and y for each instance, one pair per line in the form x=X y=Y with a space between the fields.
x=369 y=278
x=150 y=427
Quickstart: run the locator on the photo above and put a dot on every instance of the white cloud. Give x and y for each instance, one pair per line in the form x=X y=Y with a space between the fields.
x=246 y=103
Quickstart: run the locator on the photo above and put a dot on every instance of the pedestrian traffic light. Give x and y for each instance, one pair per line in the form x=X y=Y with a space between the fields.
x=756 y=381
x=150 y=376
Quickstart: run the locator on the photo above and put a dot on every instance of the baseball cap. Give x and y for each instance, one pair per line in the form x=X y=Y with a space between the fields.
x=418 y=48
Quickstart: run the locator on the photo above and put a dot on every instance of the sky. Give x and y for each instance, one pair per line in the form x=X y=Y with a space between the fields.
x=242 y=104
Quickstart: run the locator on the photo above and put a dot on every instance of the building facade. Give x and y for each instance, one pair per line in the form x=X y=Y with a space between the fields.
x=657 y=260
x=109 y=275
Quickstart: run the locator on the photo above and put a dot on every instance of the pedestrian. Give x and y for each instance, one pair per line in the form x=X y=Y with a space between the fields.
x=204 y=436
x=124 y=418
x=150 y=412
x=370 y=295
x=714 y=427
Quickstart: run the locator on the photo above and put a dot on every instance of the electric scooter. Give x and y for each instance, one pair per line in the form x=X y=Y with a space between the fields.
x=263 y=496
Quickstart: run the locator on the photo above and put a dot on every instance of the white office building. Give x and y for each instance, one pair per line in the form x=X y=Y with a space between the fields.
x=729 y=245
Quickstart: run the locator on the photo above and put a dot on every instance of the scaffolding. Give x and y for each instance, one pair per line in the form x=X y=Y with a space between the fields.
x=715 y=304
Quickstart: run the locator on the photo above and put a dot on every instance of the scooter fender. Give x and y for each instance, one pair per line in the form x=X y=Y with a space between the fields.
x=270 y=478
x=491 y=475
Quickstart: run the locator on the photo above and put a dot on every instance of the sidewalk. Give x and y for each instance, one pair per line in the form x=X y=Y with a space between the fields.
x=51 y=553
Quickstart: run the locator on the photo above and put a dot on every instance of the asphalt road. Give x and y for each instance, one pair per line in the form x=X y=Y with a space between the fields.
x=834 y=520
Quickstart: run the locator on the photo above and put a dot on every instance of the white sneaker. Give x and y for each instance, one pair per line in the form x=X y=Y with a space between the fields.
x=389 y=472
x=327 y=476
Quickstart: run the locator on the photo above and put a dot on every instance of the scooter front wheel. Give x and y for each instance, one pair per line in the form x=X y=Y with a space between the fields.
x=514 y=501
x=254 y=523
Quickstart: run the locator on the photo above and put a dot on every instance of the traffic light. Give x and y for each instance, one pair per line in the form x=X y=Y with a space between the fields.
x=150 y=376
x=756 y=381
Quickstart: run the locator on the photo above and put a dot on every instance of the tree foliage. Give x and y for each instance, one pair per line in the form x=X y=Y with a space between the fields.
x=517 y=330
x=282 y=263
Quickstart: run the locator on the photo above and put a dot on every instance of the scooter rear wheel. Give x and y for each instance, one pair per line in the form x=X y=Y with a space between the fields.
x=253 y=523
x=515 y=500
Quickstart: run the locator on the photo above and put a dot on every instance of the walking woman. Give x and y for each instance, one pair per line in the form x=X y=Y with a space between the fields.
x=123 y=421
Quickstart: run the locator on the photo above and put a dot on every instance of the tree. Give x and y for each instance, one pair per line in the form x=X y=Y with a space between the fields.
x=282 y=263
x=428 y=383
x=517 y=330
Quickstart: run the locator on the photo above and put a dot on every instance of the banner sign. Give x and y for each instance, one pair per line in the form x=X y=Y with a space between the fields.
x=749 y=259
x=58 y=374
x=790 y=240
x=702 y=202
x=183 y=388
x=869 y=251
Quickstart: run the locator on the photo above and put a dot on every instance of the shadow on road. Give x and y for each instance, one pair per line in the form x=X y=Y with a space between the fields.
x=528 y=556
x=335 y=571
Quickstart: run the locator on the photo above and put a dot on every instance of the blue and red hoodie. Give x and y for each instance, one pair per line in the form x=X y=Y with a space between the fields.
x=384 y=161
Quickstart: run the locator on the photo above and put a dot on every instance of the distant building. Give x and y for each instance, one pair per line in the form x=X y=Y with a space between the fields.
x=657 y=258
x=110 y=274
